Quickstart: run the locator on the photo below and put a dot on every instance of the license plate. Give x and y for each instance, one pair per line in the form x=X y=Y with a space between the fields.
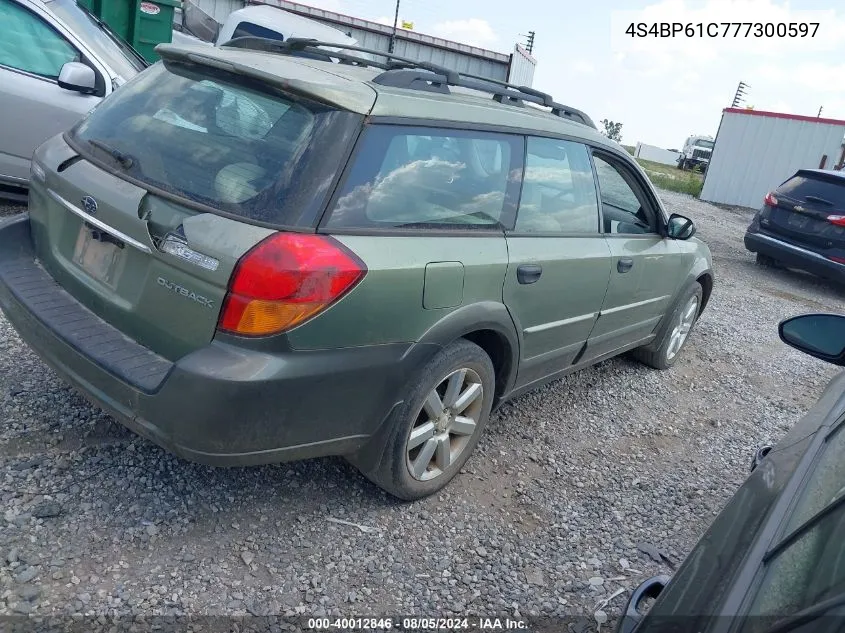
x=798 y=221
x=99 y=259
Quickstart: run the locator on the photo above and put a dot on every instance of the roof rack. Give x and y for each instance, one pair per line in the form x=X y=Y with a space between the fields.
x=404 y=72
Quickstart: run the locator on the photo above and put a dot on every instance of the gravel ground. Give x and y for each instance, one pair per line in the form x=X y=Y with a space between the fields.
x=546 y=519
x=9 y=208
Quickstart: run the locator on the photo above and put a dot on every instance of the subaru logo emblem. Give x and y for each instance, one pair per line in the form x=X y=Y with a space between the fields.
x=90 y=205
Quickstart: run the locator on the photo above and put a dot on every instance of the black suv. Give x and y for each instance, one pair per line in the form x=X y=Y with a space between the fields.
x=802 y=224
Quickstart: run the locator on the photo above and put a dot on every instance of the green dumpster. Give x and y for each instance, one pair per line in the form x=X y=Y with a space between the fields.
x=142 y=23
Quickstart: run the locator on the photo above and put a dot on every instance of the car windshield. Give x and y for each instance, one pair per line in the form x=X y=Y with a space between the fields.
x=806 y=567
x=122 y=58
x=705 y=144
x=821 y=190
x=214 y=141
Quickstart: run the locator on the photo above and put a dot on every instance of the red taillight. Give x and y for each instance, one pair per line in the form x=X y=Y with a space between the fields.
x=770 y=200
x=286 y=279
x=838 y=220
x=838 y=260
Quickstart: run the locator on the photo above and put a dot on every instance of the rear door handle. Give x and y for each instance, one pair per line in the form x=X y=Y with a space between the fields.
x=624 y=264
x=528 y=273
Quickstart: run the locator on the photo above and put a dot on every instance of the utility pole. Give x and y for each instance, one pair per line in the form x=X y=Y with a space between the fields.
x=395 y=24
x=529 y=45
x=740 y=94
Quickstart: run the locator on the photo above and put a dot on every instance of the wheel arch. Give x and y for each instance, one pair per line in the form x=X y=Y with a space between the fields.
x=488 y=325
x=706 y=281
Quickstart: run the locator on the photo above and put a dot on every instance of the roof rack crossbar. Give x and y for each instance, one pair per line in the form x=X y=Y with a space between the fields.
x=399 y=60
x=404 y=72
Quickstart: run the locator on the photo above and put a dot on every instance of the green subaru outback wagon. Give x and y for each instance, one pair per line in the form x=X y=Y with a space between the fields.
x=258 y=253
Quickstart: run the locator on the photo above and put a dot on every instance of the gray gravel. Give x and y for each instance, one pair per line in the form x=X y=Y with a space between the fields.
x=583 y=488
x=9 y=208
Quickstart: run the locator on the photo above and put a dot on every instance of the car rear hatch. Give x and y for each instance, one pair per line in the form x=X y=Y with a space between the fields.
x=147 y=206
x=808 y=210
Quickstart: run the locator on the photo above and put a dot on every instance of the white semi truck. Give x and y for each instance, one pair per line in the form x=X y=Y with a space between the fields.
x=193 y=26
x=696 y=152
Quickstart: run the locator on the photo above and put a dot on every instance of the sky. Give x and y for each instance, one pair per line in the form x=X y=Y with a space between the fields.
x=662 y=90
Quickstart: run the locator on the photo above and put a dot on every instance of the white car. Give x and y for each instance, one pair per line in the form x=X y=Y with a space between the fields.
x=57 y=62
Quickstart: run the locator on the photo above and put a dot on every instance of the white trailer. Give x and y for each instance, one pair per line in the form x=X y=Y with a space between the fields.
x=756 y=151
x=657 y=154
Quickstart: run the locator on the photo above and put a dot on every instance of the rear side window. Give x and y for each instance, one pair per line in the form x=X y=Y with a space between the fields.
x=211 y=138
x=558 y=191
x=822 y=192
x=412 y=177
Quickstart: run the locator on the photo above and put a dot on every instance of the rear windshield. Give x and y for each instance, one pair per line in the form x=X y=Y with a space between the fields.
x=799 y=187
x=213 y=140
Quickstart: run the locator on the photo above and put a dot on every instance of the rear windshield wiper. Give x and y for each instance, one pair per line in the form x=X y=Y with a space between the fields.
x=807 y=615
x=819 y=200
x=125 y=160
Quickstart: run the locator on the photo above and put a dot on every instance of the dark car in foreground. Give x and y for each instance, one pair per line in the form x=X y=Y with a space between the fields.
x=774 y=560
x=802 y=224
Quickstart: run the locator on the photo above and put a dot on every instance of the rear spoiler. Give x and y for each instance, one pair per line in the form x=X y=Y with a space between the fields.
x=315 y=91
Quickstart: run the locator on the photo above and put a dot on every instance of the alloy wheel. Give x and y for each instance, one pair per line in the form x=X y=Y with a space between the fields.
x=682 y=327
x=445 y=424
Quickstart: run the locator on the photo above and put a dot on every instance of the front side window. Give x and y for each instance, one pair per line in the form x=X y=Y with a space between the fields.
x=411 y=177
x=30 y=44
x=811 y=568
x=119 y=56
x=558 y=191
x=214 y=139
x=623 y=209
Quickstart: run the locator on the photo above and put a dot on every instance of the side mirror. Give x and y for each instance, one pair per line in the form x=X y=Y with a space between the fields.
x=819 y=335
x=78 y=77
x=679 y=227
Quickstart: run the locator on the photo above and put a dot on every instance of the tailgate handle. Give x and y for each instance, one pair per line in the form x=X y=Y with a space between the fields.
x=528 y=273
x=99 y=224
x=624 y=264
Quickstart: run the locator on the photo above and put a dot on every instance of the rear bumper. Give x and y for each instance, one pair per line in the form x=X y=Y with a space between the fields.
x=794 y=256
x=221 y=405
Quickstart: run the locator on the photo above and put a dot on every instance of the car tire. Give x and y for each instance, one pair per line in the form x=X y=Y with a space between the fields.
x=674 y=333
x=423 y=451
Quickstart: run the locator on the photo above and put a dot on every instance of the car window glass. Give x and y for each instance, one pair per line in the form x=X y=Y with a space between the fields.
x=825 y=485
x=247 y=29
x=800 y=187
x=813 y=567
x=558 y=191
x=423 y=177
x=237 y=113
x=707 y=576
x=118 y=55
x=208 y=137
x=30 y=44
x=622 y=209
